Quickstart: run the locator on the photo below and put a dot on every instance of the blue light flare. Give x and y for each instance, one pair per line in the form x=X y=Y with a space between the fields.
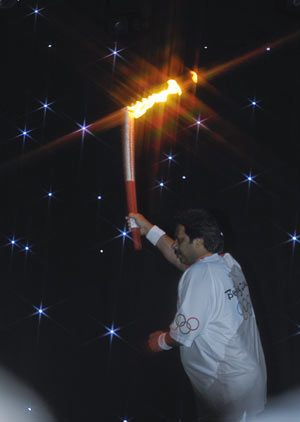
x=112 y=332
x=294 y=238
x=199 y=123
x=250 y=178
x=254 y=103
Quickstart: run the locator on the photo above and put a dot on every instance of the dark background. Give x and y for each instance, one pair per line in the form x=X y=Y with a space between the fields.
x=63 y=353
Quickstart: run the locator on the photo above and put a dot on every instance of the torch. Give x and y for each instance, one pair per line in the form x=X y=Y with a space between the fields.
x=130 y=114
x=128 y=159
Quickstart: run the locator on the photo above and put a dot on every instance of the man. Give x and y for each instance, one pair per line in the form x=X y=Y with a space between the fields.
x=214 y=326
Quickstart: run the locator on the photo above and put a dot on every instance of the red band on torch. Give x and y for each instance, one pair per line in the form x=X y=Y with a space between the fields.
x=128 y=159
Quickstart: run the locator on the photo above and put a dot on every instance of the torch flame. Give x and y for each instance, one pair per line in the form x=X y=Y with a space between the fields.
x=140 y=107
x=194 y=76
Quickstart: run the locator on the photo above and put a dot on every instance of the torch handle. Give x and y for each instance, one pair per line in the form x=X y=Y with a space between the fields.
x=132 y=207
x=128 y=158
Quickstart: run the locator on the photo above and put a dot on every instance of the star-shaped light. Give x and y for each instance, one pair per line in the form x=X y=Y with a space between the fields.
x=111 y=331
x=254 y=103
x=12 y=241
x=36 y=11
x=83 y=129
x=27 y=248
x=198 y=122
x=294 y=238
x=123 y=233
x=25 y=133
x=40 y=311
x=45 y=105
x=170 y=158
x=115 y=52
x=249 y=178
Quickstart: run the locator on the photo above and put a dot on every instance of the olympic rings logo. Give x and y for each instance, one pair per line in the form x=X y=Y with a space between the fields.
x=184 y=325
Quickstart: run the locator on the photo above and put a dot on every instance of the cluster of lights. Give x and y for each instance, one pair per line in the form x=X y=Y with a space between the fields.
x=13 y=242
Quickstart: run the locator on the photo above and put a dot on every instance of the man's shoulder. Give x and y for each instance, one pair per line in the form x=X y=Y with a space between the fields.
x=197 y=272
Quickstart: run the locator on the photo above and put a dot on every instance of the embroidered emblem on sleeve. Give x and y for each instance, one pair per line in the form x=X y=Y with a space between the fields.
x=185 y=326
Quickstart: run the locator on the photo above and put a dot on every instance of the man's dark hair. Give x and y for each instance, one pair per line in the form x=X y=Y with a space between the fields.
x=201 y=223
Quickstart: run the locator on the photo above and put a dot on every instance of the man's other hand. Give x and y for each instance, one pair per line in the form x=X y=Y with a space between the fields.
x=153 y=342
x=141 y=221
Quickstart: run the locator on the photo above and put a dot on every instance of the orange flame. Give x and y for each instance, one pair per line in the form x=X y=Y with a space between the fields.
x=194 y=76
x=140 y=107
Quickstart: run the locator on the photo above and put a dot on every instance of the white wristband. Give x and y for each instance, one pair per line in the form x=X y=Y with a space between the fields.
x=162 y=342
x=154 y=234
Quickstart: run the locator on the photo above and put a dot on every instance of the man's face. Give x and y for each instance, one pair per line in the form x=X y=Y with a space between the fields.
x=185 y=250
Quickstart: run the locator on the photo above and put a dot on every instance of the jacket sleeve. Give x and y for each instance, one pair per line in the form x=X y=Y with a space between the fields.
x=195 y=306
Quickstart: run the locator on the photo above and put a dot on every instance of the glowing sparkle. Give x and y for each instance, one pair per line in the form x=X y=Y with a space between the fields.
x=112 y=331
x=294 y=238
x=13 y=242
x=170 y=157
x=161 y=184
x=101 y=251
x=253 y=103
x=26 y=248
x=29 y=409
x=124 y=233
x=250 y=178
x=268 y=48
x=99 y=197
x=50 y=194
x=45 y=105
x=206 y=47
x=25 y=133
x=183 y=177
x=49 y=45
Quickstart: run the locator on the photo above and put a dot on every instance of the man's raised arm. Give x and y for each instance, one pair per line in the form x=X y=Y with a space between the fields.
x=164 y=242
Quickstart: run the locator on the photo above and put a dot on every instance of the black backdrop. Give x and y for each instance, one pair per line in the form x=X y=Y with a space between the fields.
x=79 y=269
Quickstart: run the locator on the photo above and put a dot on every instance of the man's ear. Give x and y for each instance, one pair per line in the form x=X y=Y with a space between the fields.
x=199 y=242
